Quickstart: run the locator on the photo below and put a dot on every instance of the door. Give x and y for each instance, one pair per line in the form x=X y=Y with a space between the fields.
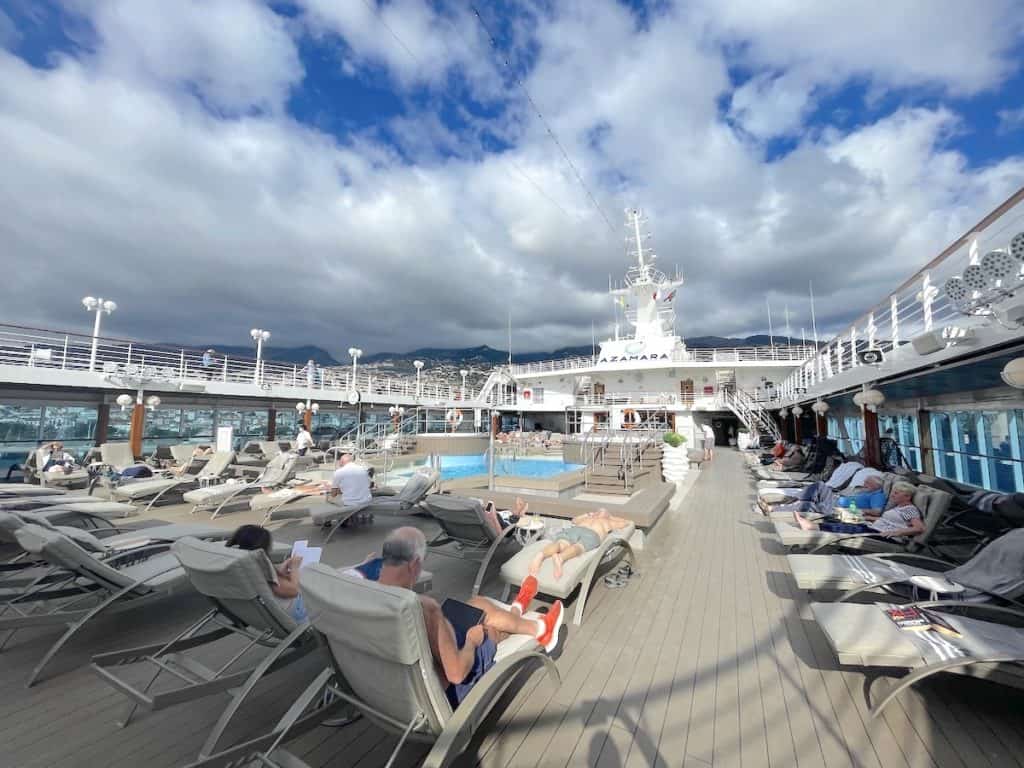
x=686 y=392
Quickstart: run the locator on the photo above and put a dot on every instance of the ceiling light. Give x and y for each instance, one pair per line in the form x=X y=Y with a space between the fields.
x=999 y=265
x=1013 y=371
x=820 y=407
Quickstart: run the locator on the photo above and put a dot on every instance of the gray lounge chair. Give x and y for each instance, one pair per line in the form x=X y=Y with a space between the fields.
x=932 y=502
x=276 y=474
x=864 y=635
x=34 y=471
x=780 y=504
x=213 y=472
x=13 y=491
x=236 y=582
x=382 y=667
x=79 y=502
x=409 y=496
x=465 y=532
x=90 y=586
x=997 y=571
x=579 y=572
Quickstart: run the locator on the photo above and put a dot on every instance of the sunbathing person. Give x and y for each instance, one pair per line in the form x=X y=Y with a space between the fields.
x=285 y=581
x=821 y=496
x=497 y=517
x=901 y=519
x=584 y=535
x=461 y=662
x=58 y=460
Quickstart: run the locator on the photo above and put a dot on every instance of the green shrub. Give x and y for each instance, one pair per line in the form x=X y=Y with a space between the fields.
x=674 y=439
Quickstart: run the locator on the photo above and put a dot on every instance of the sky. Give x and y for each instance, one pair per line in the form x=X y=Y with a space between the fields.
x=404 y=173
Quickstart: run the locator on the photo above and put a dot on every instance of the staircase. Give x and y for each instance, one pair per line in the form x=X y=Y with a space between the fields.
x=751 y=413
x=618 y=462
x=491 y=392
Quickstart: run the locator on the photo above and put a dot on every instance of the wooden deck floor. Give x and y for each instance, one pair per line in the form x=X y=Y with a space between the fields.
x=708 y=657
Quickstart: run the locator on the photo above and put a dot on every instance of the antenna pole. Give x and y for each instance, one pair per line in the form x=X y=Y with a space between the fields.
x=789 y=331
x=771 y=336
x=510 y=338
x=593 y=340
x=814 y=327
x=639 y=241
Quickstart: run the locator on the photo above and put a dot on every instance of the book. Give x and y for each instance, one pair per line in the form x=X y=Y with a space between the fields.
x=308 y=554
x=913 y=619
x=462 y=617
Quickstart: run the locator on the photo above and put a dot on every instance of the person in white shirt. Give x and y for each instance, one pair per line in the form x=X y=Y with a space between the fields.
x=709 y=441
x=303 y=441
x=351 y=481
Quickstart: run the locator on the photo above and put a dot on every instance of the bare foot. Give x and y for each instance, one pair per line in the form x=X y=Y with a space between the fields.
x=806 y=525
x=557 y=561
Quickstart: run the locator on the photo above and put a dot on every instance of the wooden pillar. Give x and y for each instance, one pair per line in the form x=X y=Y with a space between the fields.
x=307 y=418
x=796 y=429
x=137 y=426
x=102 y=424
x=495 y=423
x=821 y=424
x=872 y=446
x=924 y=428
x=271 y=423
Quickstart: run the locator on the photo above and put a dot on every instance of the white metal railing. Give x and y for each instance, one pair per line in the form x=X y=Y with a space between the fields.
x=57 y=350
x=791 y=354
x=918 y=306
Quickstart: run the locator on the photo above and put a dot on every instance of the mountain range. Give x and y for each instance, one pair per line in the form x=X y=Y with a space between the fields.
x=477 y=357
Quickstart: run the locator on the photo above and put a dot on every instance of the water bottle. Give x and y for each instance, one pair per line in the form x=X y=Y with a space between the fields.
x=854 y=514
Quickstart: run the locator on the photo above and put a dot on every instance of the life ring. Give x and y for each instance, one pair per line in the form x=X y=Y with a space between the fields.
x=628 y=418
x=453 y=417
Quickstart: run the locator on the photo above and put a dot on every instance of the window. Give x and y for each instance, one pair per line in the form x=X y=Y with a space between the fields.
x=903 y=430
x=287 y=424
x=69 y=423
x=119 y=427
x=196 y=425
x=854 y=432
x=163 y=424
x=981 y=448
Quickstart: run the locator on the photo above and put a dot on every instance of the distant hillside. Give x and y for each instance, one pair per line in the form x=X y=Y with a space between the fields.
x=280 y=354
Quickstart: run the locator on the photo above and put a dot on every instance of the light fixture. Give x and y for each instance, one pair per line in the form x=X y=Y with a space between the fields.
x=259 y=336
x=999 y=265
x=870 y=399
x=124 y=401
x=1017 y=246
x=974 y=278
x=152 y=402
x=303 y=407
x=783 y=412
x=99 y=306
x=797 y=411
x=1013 y=371
x=820 y=407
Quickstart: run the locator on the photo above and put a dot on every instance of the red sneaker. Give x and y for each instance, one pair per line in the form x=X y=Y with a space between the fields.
x=552 y=622
x=527 y=591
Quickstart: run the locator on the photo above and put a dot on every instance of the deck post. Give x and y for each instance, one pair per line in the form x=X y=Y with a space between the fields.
x=137 y=426
x=102 y=423
x=271 y=423
x=796 y=429
x=821 y=425
x=872 y=447
x=924 y=430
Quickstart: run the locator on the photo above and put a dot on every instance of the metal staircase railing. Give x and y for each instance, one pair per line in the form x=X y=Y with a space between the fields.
x=751 y=413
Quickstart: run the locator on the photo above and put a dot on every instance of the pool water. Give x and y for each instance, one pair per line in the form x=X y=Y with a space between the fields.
x=453 y=467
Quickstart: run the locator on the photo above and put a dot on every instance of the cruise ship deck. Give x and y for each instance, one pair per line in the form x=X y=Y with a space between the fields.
x=708 y=657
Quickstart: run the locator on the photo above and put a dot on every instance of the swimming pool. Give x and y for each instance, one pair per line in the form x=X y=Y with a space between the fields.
x=453 y=467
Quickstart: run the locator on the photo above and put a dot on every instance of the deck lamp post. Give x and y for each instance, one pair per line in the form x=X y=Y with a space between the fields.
x=259 y=336
x=418 y=365
x=356 y=353
x=99 y=306
x=464 y=373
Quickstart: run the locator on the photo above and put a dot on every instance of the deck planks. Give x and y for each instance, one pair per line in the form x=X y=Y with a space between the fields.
x=709 y=656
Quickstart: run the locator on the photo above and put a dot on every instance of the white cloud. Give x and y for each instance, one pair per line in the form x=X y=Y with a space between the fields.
x=1010 y=120
x=767 y=106
x=236 y=53
x=202 y=227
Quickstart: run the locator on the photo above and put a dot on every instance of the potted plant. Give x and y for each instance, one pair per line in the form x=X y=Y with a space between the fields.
x=674 y=462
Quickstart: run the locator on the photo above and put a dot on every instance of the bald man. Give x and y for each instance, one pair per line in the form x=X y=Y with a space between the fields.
x=461 y=662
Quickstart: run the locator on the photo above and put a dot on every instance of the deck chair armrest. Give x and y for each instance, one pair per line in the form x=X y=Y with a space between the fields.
x=459 y=729
x=491 y=551
x=137 y=554
x=1016 y=609
x=925 y=559
x=849 y=537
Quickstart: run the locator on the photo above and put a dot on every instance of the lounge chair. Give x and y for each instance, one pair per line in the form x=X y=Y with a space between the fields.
x=157 y=488
x=69 y=502
x=14 y=491
x=114 y=459
x=34 y=471
x=933 y=505
x=382 y=667
x=579 y=572
x=90 y=586
x=779 y=505
x=465 y=532
x=279 y=471
x=236 y=582
x=865 y=636
x=997 y=571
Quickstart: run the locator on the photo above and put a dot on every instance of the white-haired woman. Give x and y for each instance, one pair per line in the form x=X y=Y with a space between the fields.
x=901 y=518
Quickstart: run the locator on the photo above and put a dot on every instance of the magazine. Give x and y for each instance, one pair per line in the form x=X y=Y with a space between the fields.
x=913 y=619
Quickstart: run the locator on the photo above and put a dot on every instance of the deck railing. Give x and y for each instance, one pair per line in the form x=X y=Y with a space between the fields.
x=128 y=359
x=920 y=305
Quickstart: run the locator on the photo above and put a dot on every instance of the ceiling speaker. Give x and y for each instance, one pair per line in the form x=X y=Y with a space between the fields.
x=974 y=278
x=1017 y=246
x=999 y=265
x=955 y=290
x=870 y=356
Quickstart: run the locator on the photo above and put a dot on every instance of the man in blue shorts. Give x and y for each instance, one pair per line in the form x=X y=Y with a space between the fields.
x=462 y=661
x=584 y=535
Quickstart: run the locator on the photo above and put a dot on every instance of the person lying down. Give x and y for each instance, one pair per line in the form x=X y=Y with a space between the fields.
x=587 y=532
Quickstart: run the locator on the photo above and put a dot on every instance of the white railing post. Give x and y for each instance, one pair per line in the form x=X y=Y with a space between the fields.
x=64 y=355
x=225 y=374
x=853 y=347
x=129 y=360
x=872 y=330
x=927 y=296
x=894 y=319
x=295 y=375
x=181 y=366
